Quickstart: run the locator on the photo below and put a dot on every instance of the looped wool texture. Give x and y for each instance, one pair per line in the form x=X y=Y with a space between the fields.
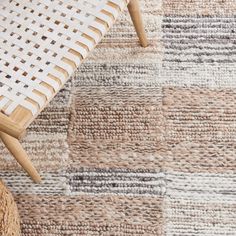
x=9 y=218
x=43 y=42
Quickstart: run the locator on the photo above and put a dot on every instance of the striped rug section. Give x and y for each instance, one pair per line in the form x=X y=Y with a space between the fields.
x=208 y=39
x=91 y=181
x=141 y=141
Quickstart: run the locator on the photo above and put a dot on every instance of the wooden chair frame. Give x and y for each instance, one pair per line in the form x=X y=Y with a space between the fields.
x=13 y=128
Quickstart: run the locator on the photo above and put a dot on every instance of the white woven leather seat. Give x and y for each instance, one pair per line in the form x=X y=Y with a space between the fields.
x=42 y=42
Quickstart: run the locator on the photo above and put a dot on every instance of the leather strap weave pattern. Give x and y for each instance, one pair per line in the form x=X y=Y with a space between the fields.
x=40 y=40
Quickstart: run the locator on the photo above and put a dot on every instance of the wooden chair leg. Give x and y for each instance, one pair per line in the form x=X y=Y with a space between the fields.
x=20 y=155
x=135 y=13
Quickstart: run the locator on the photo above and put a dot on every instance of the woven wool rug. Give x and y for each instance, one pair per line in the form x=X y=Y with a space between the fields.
x=140 y=141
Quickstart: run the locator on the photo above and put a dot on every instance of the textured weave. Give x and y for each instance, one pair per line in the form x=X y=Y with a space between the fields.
x=9 y=217
x=142 y=140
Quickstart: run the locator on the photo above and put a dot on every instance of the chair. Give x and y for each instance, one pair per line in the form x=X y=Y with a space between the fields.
x=42 y=42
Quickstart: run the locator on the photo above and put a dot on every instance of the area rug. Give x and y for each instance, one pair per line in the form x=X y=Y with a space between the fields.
x=140 y=141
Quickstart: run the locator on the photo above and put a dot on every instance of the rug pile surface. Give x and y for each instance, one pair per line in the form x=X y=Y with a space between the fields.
x=140 y=141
